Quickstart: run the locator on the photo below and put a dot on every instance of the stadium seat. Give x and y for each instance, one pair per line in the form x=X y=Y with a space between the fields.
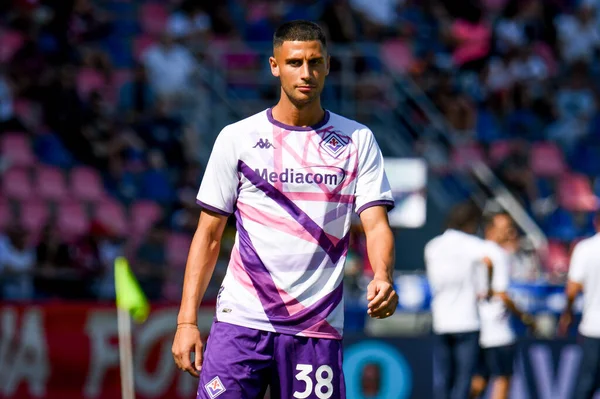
x=465 y=156
x=500 y=150
x=397 y=55
x=86 y=184
x=10 y=43
x=29 y=113
x=34 y=216
x=178 y=245
x=16 y=184
x=575 y=193
x=88 y=81
x=16 y=147
x=547 y=160
x=557 y=260
x=51 y=183
x=112 y=214
x=72 y=220
x=153 y=18
x=143 y=215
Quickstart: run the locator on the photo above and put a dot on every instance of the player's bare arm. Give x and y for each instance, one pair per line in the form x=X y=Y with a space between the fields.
x=573 y=289
x=380 y=247
x=201 y=262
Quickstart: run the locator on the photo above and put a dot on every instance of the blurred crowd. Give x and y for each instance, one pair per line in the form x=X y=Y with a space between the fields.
x=102 y=109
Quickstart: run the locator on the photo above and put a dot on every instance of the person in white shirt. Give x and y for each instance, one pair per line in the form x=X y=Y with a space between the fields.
x=454 y=262
x=497 y=339
x=584 y=276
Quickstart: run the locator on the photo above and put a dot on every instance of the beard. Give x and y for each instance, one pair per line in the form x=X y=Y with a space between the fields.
x=301 y=100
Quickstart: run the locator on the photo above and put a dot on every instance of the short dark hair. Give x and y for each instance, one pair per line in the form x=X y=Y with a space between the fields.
x=463 y=215
x=299 y=30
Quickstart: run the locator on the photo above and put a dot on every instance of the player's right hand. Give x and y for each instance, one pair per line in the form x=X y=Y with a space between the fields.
x=564 y=323
x=187 y=340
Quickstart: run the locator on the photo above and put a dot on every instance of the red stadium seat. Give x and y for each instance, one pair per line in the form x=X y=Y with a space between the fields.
x=51 y=183
x=575 y=193
x=557 y=260
x=112 y=214
x=397 y=55
x=547 y=160
x=143 y=215
x=72 y=220
x=16 y=184
x=34 y=216
x=465 y=156
x=89 y=80
x=500 y=150
x=86 y=184
x=16 y=147
x=10 y=43
x=178 y=245
x=153 y=18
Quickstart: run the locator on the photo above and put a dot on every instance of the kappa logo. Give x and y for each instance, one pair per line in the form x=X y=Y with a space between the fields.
x=214 y=388
x=334 y=144
x=263 y=144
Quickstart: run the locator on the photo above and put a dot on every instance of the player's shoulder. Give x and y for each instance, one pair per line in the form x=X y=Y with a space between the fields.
x=245 y=126
x=590 y=243
x=348 y=126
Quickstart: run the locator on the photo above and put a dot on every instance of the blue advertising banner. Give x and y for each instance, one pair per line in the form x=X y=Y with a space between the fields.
x=402 y=368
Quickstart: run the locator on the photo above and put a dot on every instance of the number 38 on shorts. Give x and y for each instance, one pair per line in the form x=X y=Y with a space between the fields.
x=318 y=382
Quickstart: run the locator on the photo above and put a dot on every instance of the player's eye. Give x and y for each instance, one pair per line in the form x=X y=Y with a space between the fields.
x=294 y=62
x=315 y=61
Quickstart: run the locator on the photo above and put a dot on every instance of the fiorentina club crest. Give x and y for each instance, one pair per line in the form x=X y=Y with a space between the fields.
x=334 y=144
x=214 y=388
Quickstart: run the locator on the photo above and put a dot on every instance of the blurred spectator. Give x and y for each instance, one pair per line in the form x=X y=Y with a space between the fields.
x=17 y=262
x=189 y=22
x=150 y=261
x=55 y=276
x=136 y=97
x=170 y=67
x=162 y=131
x=340 y=21
x=578 y=34
x=88 y=22
x=575 y=105
x=155 y=181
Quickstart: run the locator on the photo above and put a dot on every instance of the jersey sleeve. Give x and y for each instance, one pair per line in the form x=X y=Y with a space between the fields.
x=219 y=188
x=577 y=266
x=372 y=186
x=501 y=270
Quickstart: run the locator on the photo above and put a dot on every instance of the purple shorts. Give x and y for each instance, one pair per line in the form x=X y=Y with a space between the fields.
x=240 y=363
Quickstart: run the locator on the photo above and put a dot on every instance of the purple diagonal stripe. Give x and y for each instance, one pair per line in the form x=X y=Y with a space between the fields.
x=334 y=251
x=269 y=297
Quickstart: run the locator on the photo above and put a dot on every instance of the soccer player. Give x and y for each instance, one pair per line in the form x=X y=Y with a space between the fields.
x=293 y=174
x=497 y=339
x=455 y=262
x=584 y=276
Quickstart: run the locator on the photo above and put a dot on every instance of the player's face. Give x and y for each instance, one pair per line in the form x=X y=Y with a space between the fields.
x=504 y=228
x=301 y=68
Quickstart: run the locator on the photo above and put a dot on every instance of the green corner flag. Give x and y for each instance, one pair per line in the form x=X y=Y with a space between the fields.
x=130 y=296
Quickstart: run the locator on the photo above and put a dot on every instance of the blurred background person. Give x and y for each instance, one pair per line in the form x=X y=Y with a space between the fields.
x=584 y=276
x=497 y=338
x=453 y=262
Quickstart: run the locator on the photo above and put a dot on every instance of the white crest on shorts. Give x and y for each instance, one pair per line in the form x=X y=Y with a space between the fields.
x=214 y=387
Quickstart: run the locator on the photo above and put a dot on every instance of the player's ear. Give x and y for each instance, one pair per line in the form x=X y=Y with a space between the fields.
x=328 y=60
x=274 y=66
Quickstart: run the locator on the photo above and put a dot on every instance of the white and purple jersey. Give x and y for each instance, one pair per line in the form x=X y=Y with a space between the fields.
x=293 y=191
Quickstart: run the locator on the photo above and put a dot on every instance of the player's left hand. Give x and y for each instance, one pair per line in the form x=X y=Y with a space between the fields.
x=382 y=298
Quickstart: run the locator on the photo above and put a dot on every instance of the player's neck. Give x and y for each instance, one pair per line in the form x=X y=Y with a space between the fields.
x=287 y=113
